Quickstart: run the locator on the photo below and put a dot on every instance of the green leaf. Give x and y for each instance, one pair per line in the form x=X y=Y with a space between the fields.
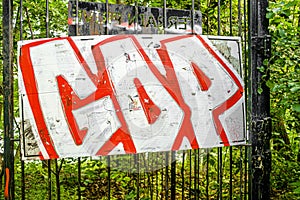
x=270 y=15
x=295 y=89
x=291 y=4
x=266 y=62
x=261 y=68
x=297 y=191
x=296 y=184
x=270 y=84
x=296 y=107
x=127 y=179
x=282 y=32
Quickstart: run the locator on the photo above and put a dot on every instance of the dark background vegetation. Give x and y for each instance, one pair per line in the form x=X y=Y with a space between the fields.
x=284 y=84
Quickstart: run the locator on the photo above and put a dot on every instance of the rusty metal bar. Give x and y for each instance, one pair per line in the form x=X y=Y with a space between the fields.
x=7 y=29
x=260 y=133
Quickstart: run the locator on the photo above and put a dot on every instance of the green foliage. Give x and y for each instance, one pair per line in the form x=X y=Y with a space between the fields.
x=34 y=15
x=285 y=169
x=284 y=83
x=125 y=181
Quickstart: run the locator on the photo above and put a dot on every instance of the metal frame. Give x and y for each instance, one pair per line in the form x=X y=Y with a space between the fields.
x=254 y=163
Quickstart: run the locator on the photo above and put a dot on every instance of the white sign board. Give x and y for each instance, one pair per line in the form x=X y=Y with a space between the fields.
x=124 y=94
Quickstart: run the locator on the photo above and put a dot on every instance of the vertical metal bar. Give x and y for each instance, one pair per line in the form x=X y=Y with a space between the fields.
x=165 y=15
x=198 y=174
x=246 y=68
x=245 y=43
x=130 y=163
x=230 y=17
x=138 y=176
x=173 y=176
x=144 y=173
x=193 y=16
x=156 y=183
x=79 y=177
x=167 y=175
x=247 y=157
x=239 y=17
x=152 y=175
x=48 y=161
x=162 y=178
x=22 y=112
x=246 y=160
x=220 y=148
x=21 y=19
x=247 y=39
x=190 y=174
x=47 y=18
x=77 y=19
x=23 y=180
x=261 y=123
x=108 y=178
x=219 y=17
x=207 y=17
x=149 y=173
x=22 y=133
x=108 y=157
x=49 y=180
x=241 y=173
x=220 y=172
x=8 y=98
x=107 y=20
x=248 y=91
x=195 y=174
x=136 y=171
x=136 y=17
x=230 y=148
x=57 y=171
x=182 y=175
x=207 y=176
x=230 y=173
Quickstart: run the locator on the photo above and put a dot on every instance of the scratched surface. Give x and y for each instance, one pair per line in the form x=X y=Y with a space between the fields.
x=125 y=19
x=124 y=94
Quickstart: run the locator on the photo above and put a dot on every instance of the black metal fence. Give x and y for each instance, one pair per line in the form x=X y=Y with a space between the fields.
x=218 y=173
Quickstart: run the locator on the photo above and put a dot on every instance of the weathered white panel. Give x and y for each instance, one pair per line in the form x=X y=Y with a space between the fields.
x=100 y=95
